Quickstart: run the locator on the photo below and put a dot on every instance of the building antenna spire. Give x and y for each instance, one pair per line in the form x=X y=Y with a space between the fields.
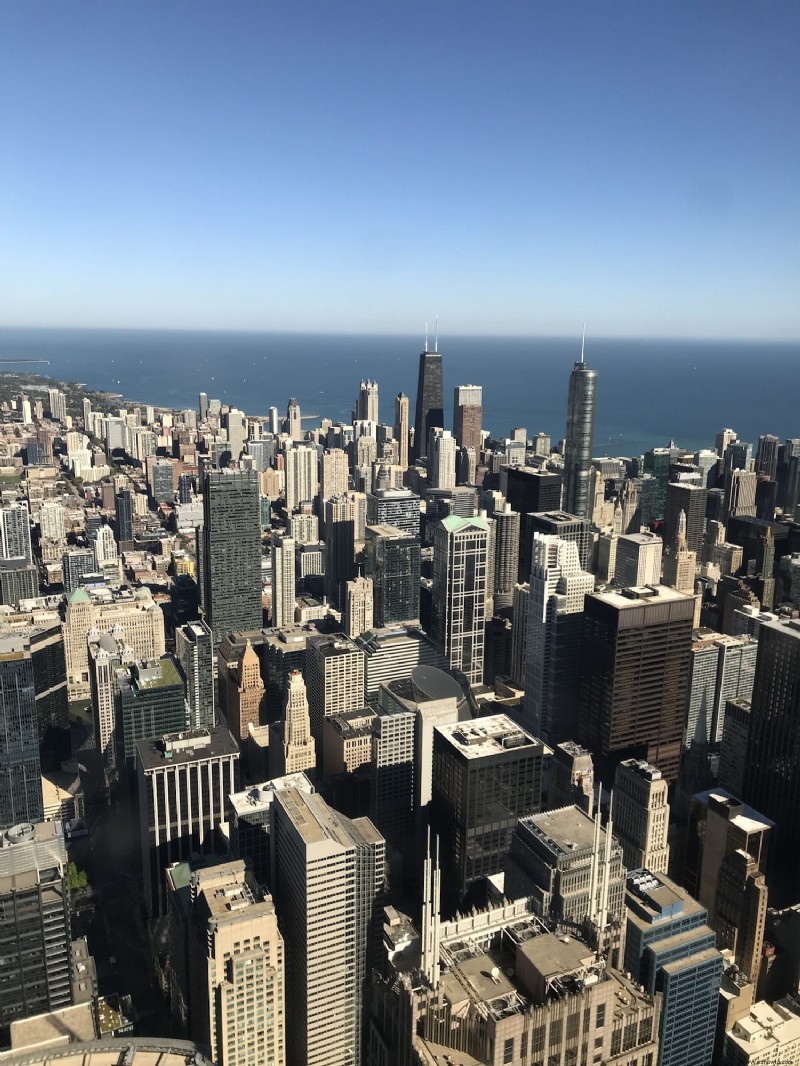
x=436 y=336
x=426 y=336
x=583 y=340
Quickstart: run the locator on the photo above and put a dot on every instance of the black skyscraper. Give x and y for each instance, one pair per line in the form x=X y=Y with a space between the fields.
x=578 y=439
x=430 y=401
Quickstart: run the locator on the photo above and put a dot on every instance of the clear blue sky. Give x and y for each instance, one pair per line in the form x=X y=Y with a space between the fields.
x=515 y=166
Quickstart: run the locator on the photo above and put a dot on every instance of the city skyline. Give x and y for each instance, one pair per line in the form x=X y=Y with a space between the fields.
x=256 y=169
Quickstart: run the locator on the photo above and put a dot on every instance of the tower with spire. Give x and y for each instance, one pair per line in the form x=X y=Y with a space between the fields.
x=430 y=397
x=579 y=437
x=291 y=748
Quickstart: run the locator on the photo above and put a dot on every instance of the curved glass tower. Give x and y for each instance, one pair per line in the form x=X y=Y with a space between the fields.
x=578 y=440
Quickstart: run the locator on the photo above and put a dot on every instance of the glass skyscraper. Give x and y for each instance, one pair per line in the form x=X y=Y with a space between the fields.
x=578 y=440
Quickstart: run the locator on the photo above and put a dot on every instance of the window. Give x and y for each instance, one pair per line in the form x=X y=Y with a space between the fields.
x=508 y=1050
x=600 y=1017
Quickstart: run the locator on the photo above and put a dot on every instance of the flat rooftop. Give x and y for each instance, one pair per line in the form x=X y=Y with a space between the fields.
x=191 y=746
x=484 y=737
x=567 y=829
x=639 y=594
x=260 y=797
x=555 y=954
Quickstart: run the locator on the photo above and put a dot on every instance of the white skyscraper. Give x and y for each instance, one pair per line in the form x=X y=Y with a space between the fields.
x=461 y=568
x=358 y=606
x=15 y=532
x=556 y=593
x=105 y=546
x=333 y=480
x=283 y=600
x=443 y=460
x=301 y=466
x=638 y=560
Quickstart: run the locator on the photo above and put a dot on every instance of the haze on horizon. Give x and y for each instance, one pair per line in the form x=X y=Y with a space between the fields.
x=357 y=167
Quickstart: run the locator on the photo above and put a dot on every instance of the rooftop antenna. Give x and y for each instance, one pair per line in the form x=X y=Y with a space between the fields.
x=426 y=336
x=436 y=336
x=583 y=340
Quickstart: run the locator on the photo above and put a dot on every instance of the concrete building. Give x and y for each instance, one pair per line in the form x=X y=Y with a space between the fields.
x=327 y=883
x=15 y=532
x=460 y=590
x=733 y=748
x=291 y=747
x=20 y=765
x=468 y=416
x=334 y=677
x=242 y=691
x=358 y=608
x=638 y=560
x=641 y=815
x=283 y=577
x=301 y=465
x=401 y=428
x=394 y=507
x=249 y=813
x=107 y=653
x=392 y=653
x=722 y=668
x=184 y=780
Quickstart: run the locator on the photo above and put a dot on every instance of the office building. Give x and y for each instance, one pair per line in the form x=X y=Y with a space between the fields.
x=15 y=532
x=430 y=401
x=506 y=556
x=641 y=815
x=340 y=520
x=767 y=456
x=333 y=474
x=334 y=677
x=726 y=851
x=227 y=956
x=638 y=560
x=136 y=613
x=392 y=562
x=241 y=688
x=184 y=780
x=293 y=424
x=20 y=766
x=772 y=781
x=486 y=775
x=292 y=748
x=579 y=438
x=680 y=565
x=76 y=565
x=358 y=610
x=34 y=921
x=568 y=778
x=767 y=1033
x=124 y=506
x=392 y=653
x=231 y=552
x=283 y=587
x=150 y=702
x=691 y=499
x=722 y=668
x=442 y=460
x=249 y=815
x=740 y=493
x=391 y=793
x=669 y=948
x=468 y=417
x=733 y=747
x=328 y=889
x=401 y=428
x=529 y=490
x=553 y=641
x=300 y=464
x=568 y=527
x=366 y=407
x=572 y=869
x=107 y=653
x=460 y=589
x=194 y=650
x=635 y=676
x=18 y=581
x=394 y=507
x=162 y=481
x=347 y=743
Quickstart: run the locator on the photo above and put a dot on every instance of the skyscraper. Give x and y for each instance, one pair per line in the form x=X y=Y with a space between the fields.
x=392 y=561
x=366 y=408
x=722 y=668
x=291 y=746
x=124 y=506
x=293 y=424
x=283 y=599
x=358 y=608
x=556 y=594
x=635 y=676
x=194 y=650
x=578 y=439
x=691 y=499
x=334 y=677
x=506 y=555
x=15 y=532
x=430 y=400
x=401 y=427
x=328 y=890
x=301 y=466
x=150 y=702
x=772 y=780
x=334 y=475
x=20 y=766
x=767 y=456
x=442 y=461
x=231 y=552
x=641 y=815
x=468 y=416
x=638 y=560
x=460 y=582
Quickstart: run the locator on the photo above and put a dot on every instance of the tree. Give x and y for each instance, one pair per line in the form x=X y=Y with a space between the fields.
x=76 y=879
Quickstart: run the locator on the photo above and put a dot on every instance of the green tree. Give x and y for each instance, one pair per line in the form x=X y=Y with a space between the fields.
x=76 y=878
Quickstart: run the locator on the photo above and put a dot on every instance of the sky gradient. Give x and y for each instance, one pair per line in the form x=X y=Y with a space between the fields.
x=514 y=167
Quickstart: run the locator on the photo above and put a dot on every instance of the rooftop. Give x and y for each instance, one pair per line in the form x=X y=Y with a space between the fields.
x=260 y=797
x=566 y=830
x=623 y=599
x=483 y=737
x=191 y=746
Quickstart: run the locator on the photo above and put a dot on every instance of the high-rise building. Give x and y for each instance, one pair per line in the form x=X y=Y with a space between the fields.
x=529 y=491
x=460 y=589
x=392 y=561
x=366 y=408
x=641 y=815
x=579 y=438
x=339 y=525
x=291 y=747
x=733 y=747
x=638 y=560
x=691 y=499
x=231 y=552
x=57 y=403
x=486 y=775
x=228 y=966
x=18 y=581
x=283 y=599
x=328 y=891
x=568 y=527
x=358 y=608
x=194 y=650
x=333 y=474
x=394 y=507
x=76 y=564
x=740 y=493
x=123 y=502
x=635 y=676
x=669 y=948
x=401 y=428
x=107 y=653
x=680 y=564
x=722 y=668
x=15 y=532
x=34 y=921
x=105 y=547
x=202 y=406
x=772 y=781
x=150 y=702
x=556 y=594
x=241 y=688
x=468 y=416
x=442 y=460
x=430 y=401
x=301 y=465
x=293 y=424
x=506 y=555
x=184 y=780
x=334 y=677
x=392 y=653
x=767 y=456
x=20 y=767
